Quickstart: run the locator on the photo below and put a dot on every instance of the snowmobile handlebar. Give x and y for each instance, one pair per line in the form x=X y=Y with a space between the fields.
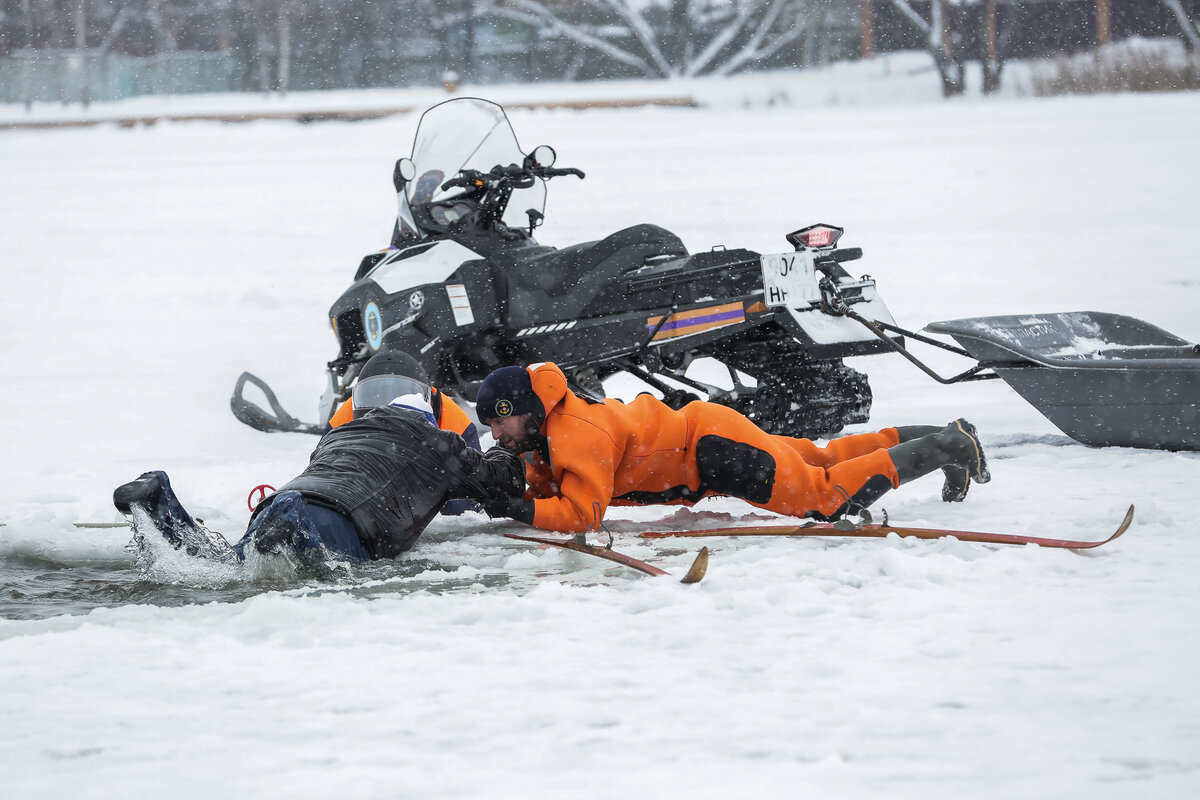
x=513 y=176
x=493 y=189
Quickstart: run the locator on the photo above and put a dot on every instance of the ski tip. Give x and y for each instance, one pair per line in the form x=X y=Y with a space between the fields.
x=1124 y=526
x=699 y=567
x=1125 y=523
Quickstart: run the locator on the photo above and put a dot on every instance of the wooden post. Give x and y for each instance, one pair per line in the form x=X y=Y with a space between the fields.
x=866 y=29
x=1103 y=20
x=990 y=30
x=946 y=25
x=990 y=56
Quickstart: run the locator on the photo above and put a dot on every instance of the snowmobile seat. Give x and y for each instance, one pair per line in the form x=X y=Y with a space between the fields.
x=559 y=272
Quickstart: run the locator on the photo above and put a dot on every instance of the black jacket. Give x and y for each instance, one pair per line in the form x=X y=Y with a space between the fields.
x=390 y=472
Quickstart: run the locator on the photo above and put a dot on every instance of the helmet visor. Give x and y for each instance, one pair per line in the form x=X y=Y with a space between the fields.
x=383 y=389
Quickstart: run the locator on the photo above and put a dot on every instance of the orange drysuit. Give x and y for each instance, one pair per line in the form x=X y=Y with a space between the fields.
x=645 y=452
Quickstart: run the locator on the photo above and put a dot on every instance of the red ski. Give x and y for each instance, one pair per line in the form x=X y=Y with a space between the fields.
x=694 y=573
x=880 y=531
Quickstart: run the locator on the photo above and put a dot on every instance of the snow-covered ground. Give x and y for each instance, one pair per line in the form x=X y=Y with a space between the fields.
x=144 y=269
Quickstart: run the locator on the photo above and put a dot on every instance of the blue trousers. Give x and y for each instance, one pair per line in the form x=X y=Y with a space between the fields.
x=315 y=525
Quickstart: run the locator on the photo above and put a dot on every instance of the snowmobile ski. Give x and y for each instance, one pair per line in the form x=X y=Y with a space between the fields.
x=694 y=574
x=881 y=531
x=260 y=419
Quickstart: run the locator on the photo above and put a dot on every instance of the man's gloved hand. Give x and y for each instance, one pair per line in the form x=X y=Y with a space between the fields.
x=502 y=505
x=507 y=473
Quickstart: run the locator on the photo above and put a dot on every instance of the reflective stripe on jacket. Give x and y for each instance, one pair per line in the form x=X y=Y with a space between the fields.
x=450 y=416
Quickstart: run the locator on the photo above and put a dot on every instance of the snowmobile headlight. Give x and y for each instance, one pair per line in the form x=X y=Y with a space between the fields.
x=379 y=390
x=816 y=236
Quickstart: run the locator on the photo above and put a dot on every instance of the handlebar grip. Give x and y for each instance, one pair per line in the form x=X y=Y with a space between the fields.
x=554 y=173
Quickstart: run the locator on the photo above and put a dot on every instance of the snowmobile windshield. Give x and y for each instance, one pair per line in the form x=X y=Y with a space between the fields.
x=383 y=389
x=464 y=133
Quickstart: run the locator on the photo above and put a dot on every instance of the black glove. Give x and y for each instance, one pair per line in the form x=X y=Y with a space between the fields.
x=518 y=508
x=506 y=472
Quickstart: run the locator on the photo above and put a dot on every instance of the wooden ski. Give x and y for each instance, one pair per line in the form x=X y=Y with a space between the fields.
x=694 y=574
x=880 y=531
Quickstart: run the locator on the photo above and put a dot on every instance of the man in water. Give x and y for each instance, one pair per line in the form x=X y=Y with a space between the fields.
x=370 y=488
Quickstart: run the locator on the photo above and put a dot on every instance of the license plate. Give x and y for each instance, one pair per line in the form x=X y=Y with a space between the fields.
x=790 y=279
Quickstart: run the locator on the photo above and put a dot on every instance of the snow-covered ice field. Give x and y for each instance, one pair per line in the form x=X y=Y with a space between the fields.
x=145 y=269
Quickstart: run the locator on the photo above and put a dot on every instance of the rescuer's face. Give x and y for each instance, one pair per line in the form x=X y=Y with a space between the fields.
x=512 y=433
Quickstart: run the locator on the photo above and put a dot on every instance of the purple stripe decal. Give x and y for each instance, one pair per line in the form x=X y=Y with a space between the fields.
x=688 y=323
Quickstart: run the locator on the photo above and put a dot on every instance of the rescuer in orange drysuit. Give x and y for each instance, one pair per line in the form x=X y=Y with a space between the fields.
x=588 y=455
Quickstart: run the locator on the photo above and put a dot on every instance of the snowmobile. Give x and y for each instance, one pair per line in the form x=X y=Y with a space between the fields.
x=464 y=287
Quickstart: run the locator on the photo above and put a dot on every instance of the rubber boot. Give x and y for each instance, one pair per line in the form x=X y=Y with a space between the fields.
x=958 y=479
x=909 y=432
x=954 y=449
x=152 y=492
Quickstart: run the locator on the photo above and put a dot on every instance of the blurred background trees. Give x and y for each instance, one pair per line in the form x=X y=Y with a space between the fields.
x=82 y=50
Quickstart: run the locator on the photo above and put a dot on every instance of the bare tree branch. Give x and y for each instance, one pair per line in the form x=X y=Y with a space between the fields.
x=728 y=33
x=723 y=38
x=752 y=52
x=536 y=15
x=642 y=31
x=912 y=16
x=1191 y=30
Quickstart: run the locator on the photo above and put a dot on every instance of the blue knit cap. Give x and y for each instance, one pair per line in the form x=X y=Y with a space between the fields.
x=507 y=392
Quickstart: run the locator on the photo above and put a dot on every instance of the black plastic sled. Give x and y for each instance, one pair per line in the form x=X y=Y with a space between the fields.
x=1102 y=379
